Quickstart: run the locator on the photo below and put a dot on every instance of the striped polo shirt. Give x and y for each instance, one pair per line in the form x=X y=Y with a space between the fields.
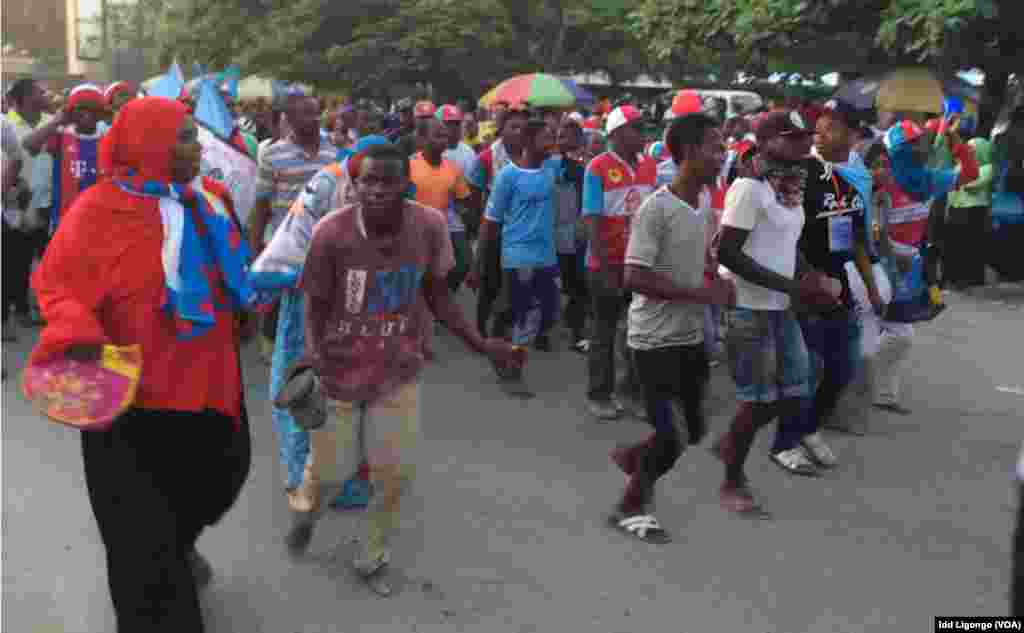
x=284 y=170
x=614 y=190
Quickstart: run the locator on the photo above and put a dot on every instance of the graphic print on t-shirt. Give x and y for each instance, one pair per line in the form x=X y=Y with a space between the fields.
x=394 y=289
x=380 y=304
x=614 y=190
x=75 y=169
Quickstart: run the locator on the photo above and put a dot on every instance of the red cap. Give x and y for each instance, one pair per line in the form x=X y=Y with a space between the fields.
x=119 y=87
x=911 y=131
x=86 y=94
x=424 y=109
x=686 y=102
x=592 y=123
x=449 y=113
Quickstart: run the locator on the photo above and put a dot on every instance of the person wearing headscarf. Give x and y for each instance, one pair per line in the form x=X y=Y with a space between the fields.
x=146 y=258
x=968 y=222
x=274 y=275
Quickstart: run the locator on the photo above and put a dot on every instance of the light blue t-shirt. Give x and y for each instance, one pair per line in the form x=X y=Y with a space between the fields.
x=667 y=170
x=522 y=201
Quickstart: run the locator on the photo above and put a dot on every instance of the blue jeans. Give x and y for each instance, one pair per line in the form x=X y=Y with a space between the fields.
x=835 y=345
x=534 y=301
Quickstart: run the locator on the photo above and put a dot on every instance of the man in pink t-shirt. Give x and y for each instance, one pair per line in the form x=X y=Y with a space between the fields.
x=372 y=268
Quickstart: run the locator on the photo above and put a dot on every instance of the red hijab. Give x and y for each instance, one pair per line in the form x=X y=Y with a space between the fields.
x=102 y=279
x=140 y=143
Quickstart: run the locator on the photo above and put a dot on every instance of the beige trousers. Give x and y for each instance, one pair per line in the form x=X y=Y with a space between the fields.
x=385 y=434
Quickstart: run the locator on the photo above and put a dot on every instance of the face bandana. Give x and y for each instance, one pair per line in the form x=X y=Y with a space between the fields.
x=787 y=178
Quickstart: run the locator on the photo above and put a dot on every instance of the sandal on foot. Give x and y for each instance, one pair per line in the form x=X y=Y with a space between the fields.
x=893 y=407
x=641 y=526
x=795 y=462
x=375 y=576
x=739 y=500
x=355 y=493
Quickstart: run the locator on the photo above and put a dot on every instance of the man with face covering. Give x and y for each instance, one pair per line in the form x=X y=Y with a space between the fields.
x=174 y=463
x=838 y=200
x=769 y=362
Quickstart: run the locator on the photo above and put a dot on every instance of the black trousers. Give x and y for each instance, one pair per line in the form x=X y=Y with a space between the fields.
x=574 y=285
x=667 y=375
x=156 y=481
x=609 y=305
x=19 y=248
x=965 y=245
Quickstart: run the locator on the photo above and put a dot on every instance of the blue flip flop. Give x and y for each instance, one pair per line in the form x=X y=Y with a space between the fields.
x=354 y=494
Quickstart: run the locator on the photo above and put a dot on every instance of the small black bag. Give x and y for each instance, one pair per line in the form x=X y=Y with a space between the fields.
x=303 y=396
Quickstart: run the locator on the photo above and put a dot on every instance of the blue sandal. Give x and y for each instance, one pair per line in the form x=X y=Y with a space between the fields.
x=355 y=493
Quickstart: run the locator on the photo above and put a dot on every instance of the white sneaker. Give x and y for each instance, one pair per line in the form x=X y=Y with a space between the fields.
x=819 y=451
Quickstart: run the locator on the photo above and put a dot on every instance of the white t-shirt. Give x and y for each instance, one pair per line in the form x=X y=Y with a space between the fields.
x=751 y=205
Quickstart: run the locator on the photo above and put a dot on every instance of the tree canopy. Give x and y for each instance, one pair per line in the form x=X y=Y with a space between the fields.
x=367 y=46
x=850 y=36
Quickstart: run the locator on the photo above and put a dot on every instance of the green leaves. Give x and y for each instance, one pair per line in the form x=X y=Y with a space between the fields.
x=371 y=44
x=753 y=31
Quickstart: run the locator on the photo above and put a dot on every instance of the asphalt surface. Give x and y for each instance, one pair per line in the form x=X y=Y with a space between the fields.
x=505 y=527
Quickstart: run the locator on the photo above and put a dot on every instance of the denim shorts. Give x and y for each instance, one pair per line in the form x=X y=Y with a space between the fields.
x=767 y=355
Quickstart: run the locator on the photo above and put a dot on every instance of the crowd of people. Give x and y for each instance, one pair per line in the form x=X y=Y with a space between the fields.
x=776 y=243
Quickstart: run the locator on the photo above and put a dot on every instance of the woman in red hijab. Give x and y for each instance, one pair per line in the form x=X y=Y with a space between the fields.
x=116 y=272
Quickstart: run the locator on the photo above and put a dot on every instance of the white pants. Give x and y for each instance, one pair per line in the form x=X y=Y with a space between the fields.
x=887 y=344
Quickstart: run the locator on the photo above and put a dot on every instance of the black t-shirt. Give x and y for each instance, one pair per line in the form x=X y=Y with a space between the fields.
x=828 y=242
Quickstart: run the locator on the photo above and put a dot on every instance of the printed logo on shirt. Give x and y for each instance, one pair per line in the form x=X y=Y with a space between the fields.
x=386 y=300
x=615 y=176
x=80 y=169
x=394 y=289
x=355 y=291
x=847 y=203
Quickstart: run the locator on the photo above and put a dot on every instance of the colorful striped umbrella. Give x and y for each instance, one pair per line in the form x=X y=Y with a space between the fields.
x=540 y=90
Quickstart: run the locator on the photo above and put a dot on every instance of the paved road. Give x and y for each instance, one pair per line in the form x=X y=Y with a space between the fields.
x=507 y=515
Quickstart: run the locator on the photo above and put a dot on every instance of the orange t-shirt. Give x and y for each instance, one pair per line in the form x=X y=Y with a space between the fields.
x=439 y=187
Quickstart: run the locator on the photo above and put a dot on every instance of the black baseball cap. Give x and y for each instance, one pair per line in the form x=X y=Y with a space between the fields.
x=782 y=123
x=845 y=112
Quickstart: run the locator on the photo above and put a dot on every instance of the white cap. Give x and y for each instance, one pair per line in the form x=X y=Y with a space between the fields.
x=622 y=115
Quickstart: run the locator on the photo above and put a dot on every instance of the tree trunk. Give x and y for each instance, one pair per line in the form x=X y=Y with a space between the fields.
x=558 y=46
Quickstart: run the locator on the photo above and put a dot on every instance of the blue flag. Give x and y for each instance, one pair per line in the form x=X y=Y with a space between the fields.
x=170 y=85
x=211 y=110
